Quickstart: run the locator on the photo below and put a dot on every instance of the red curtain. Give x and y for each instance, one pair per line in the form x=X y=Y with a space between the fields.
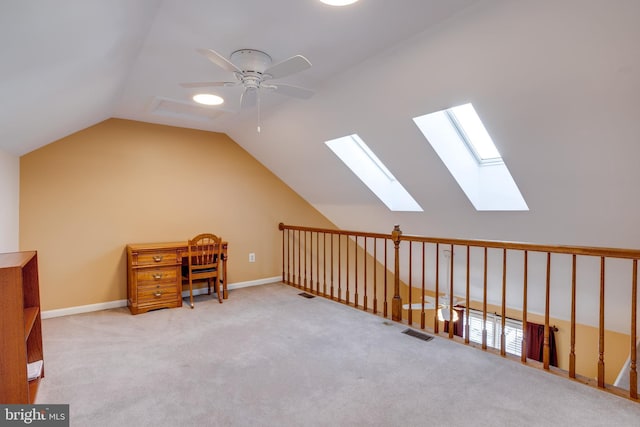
x=534 y=337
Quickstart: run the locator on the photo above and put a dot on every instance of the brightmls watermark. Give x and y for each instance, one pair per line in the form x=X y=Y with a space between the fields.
x=34 y=415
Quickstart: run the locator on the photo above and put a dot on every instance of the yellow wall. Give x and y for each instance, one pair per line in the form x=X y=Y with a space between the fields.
x=84 y=197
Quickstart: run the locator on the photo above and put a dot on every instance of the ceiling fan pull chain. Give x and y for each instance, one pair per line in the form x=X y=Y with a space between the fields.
x=258 y=99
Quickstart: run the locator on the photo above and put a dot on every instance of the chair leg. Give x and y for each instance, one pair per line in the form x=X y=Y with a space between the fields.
x=218 y=289
x=191 y=293
x=209 y=286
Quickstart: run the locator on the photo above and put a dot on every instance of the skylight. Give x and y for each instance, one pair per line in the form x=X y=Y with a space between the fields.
x=373 y=173
x=467 y=150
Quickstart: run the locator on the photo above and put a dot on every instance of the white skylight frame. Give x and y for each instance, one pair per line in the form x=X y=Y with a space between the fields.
x=485 y=179
x=358 y=157
x=472 y=131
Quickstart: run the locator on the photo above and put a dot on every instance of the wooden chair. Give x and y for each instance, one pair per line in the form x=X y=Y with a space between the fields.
x=205 y=252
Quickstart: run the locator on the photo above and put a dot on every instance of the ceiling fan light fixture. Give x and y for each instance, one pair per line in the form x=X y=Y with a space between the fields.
x=208 y=99
x=338 y=2
x=443 y=315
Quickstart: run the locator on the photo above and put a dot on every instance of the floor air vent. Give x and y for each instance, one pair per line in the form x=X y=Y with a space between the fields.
x=306 y=295
x=416 y=334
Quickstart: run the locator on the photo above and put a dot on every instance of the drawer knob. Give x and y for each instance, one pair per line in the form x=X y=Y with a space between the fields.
x=157 y=276
x=157 y=258
x=157 y=294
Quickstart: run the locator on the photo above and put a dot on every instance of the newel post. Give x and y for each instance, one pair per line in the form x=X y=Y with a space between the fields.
x=396 y=306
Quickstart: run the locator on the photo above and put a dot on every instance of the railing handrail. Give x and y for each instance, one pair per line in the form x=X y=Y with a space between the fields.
x=282 y=226
x=598 y=251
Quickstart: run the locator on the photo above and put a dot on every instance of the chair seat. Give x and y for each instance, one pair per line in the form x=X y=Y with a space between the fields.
x=185 y=271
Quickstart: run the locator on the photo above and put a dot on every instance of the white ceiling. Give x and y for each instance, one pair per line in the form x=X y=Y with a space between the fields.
x=556 y=82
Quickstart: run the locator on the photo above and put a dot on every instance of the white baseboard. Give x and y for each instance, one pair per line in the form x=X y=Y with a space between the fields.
x=83 y=309
x=123 y=303
x=246 y=284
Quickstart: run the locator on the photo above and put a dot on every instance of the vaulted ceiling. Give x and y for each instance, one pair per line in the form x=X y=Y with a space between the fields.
x=557 y=84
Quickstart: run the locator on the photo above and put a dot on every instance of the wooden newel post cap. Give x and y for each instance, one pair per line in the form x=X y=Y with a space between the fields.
x=396 y=233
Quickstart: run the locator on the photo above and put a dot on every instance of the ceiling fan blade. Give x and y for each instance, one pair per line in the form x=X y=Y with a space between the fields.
x=294 y=91
x=248 y=98
x=208 y=84
x=289 y=66
x=417 y=306
x=429 y=302
x=220 y=60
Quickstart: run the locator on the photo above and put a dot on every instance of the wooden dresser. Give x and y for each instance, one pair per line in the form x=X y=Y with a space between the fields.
x=154 y=277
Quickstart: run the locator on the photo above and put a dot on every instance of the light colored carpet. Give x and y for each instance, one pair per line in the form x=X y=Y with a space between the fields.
x=268 y=357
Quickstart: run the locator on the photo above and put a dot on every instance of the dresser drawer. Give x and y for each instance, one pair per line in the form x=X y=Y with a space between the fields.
x=157 y=258
x=158 y=293
x=152 y=276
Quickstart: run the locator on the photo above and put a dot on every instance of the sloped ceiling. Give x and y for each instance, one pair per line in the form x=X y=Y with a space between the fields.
x=557 y=84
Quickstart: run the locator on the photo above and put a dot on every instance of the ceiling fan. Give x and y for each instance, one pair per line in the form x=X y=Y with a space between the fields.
x=445 y=301
x=254 y=71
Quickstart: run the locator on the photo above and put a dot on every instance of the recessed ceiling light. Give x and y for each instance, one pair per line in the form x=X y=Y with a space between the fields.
x=338 y=2
x=208 y=99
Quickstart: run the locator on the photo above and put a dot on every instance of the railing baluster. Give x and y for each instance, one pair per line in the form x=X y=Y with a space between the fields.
x=545 y=349
x=285 y=256
x=601 y=328
x=572 y=351
x=375 y=275
x=290 y=255
x=484 y=303
x=410 y=311
x=304 y=251
x=436 y=321
x=385 y=311
x=292 y=243
x=324 y=264
x=311 y=261
x=293 y=257
x=467 y=297
x=299 y=260
x=332 y=264
x=366 y=285
x=633 y=374
x=346 y=248
x=355 y=268
x=503 y=340
x=525 y=285
x=422 y=313
x=340 y=267
x=451 y=322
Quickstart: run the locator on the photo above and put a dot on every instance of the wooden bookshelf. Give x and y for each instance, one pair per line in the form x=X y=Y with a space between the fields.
x=20 y=326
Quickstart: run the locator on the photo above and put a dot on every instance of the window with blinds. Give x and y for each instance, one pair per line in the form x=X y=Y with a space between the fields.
x=512 y=330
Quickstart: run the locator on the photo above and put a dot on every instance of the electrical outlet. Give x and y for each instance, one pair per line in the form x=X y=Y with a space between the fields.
x=252 y=257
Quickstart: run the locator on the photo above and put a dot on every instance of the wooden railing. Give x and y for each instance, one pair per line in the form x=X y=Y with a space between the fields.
x=553 y=285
